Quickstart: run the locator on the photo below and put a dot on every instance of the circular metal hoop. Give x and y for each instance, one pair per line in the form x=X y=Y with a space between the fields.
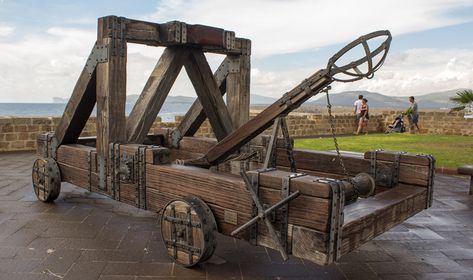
x=351 y=70
x=46 y=179
x=188 y=229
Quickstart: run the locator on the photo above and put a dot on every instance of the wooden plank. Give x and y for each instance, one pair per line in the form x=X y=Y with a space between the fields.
x=208 y=92
x=409 y=158
x=194 y=118
x=111 y=90
x=78 y=156
x=327 y=162
x=78 y=108
x=197 y=144
x=238 y=89
x=372 y=216
x=229 y=191
x=152 y=97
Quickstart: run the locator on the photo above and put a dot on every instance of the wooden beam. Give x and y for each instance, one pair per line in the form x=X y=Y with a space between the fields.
x=78 y=108
x=152 y=97
x=238 y=88
x=208 y=92
x=194 y=118
x=111 y=91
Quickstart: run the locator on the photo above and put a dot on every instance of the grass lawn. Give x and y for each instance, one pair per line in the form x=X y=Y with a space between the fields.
x=449 y=151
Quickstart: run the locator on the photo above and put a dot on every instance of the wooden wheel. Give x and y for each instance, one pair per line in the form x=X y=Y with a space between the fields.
x=188 y=229
x=46 y=179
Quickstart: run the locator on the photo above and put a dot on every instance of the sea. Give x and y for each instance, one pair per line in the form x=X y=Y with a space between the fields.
x=167 y=113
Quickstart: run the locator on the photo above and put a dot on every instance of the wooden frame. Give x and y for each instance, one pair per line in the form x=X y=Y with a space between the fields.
x=321 y=219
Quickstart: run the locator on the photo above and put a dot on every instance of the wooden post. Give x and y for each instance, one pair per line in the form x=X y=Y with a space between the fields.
x=154 y=93
x=111 y=91
x=238 y=86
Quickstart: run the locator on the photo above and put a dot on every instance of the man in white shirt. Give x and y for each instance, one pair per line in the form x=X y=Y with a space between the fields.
x=357 y=109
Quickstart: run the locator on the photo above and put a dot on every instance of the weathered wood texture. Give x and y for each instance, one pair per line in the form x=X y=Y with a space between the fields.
x=208 y=93
x=152 y=98
x=228 y=191
x=370 y=217
x=111 y=87
x=238 y=88
x=78 y=108
x=195 y=116
x=328 y=162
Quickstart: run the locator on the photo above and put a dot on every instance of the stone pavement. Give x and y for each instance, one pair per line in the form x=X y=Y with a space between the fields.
x=87 y=236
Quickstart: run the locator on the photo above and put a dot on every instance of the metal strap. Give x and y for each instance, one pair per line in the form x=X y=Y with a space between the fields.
x=430 y=183
x=254 y=209
x=373 y=163
x=284 y=210
x=89 y=173
x=397 y=165
x=336 y=219
x=141 y=177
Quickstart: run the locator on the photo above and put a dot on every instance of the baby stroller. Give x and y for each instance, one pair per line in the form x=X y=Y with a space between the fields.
x=397 y=125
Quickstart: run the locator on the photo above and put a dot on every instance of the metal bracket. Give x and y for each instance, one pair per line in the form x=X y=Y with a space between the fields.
x=183 y=32
x=51 y=143
x=141 y=177
x=126 y=168
x=102 y=173
x=373 y=163
x=397 y=165
x=430 y=182
x=233 y=65
x=336 y=219
x=89 y=173
x=99 y=55
x=289 y=148
x=229 y=40
x=176 y=137
x=284 y=210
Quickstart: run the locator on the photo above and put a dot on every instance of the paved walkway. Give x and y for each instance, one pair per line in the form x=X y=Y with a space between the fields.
x=87 y=236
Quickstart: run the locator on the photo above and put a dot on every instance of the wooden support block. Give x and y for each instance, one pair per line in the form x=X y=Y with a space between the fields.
x=238 y=88
x=197 y=144
x=209 y=94
x=154 y=154
x=310 y=244
x=79 y=156
x=194 y=118
x=152 y=97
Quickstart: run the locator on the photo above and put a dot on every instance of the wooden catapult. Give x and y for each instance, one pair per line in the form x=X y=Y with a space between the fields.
x=314 y=205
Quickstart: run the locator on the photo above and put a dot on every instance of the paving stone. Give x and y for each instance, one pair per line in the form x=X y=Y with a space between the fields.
x=94 y=237
x=138 y=269
x=59 y=261
x=85 y=270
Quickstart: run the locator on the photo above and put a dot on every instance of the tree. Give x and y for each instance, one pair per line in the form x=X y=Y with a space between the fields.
x=464 y=99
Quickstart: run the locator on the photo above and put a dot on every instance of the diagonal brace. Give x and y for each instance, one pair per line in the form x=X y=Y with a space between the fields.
x=262 y=214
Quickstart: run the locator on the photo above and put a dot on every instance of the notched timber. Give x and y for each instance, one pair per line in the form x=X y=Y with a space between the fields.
x=208 y=93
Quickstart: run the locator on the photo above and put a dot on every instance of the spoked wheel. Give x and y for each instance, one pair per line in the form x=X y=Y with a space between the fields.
x=189 y=230
x=46 y=179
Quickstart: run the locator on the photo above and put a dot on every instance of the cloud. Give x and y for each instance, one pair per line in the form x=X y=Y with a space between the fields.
x=420 y=71
x=277 y=27
x=6 y=30
x=39 y=66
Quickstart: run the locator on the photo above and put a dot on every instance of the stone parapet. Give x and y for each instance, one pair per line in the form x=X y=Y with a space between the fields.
x=19 y=134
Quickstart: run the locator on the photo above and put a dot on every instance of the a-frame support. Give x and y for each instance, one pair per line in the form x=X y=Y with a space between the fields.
x=103 y=83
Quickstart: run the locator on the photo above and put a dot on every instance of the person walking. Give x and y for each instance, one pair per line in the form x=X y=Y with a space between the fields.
x=357 y=109
x=413 y=115
x=364 y=117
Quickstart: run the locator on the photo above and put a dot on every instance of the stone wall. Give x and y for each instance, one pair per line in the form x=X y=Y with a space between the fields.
x=19 y=134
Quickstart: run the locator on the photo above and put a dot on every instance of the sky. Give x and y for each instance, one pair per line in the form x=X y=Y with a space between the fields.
x=44 y=44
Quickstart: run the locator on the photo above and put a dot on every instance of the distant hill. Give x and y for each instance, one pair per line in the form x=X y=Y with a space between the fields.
x=436 y=100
